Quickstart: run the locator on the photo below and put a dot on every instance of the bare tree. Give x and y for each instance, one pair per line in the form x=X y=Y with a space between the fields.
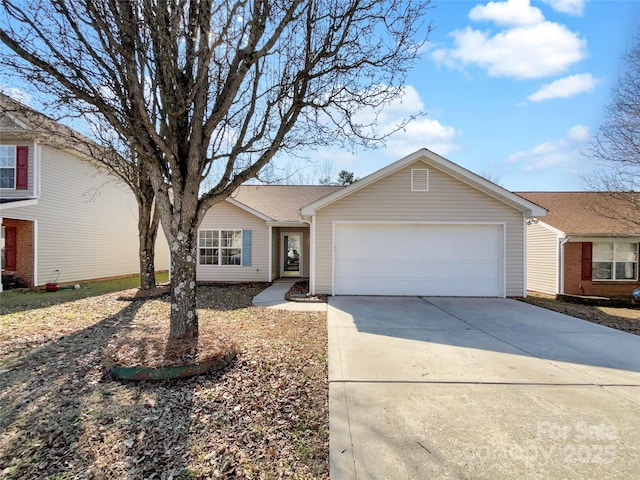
x=202 y=86
x=324 y=172
x=617 y=147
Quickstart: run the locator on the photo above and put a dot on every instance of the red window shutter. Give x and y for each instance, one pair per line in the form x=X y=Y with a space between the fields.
x=587 y=248
x=10 y=248
x=22 y=168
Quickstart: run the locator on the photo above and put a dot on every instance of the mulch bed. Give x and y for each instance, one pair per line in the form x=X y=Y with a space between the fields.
x=299 y=292
x=624 y=319
x=64 y=416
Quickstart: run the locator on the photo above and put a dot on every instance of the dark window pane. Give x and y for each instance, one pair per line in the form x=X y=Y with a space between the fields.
x=7 y=178
x=626 y=271
x=602 y=270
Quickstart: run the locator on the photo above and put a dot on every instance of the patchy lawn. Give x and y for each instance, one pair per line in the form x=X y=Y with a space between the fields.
x=625 y=319
x=22 y=299
x=63 y=417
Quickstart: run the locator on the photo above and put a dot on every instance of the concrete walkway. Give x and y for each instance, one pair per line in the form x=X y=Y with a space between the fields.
x=273 y=297
x=453 y=388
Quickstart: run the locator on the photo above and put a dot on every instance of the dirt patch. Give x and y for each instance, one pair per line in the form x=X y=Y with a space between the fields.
x=63 y=416
x=299 y=292
x=132 y=294
x=625 y=319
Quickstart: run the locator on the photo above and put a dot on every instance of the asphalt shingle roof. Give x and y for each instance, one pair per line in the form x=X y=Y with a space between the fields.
x=281 y=202
x=580 y=213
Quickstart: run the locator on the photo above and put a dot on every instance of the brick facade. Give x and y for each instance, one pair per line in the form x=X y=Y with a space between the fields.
x=24 y=250
x=574 y=285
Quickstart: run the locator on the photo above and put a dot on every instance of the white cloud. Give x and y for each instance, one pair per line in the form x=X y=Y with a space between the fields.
x=523 y=52
x=423 y=132
x=512 y=12
x=408 y=103
x=571 y=7
x=565 y=87
x=579 y=133
x=526 y=46
x=559 y=153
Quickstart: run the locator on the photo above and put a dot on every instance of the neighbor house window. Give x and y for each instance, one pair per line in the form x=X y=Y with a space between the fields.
x=220 y=247
x=615 y=261
x=7 y=166
x=14 y=166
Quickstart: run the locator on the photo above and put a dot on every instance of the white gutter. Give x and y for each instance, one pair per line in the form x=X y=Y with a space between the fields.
x=270 y=257
x=35 y=253
x=560 y=286
x=312 y=254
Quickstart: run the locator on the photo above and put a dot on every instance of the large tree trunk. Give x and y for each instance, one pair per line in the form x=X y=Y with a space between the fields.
x=148 y=221
x=184 y=316
x=147 y=265
x=147 y=232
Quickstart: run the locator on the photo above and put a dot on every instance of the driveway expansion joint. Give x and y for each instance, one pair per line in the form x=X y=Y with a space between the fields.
x=477 y=382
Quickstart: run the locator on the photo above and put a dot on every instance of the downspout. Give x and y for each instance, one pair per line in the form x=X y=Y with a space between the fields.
x=35 y=253
x=37 y=168
x=270 y=243
x=525 y=264
x=561 y=264
x=312 y=253
x=2 y=240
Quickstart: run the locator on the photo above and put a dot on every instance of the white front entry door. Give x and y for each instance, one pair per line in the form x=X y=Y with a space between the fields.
x=291 y=254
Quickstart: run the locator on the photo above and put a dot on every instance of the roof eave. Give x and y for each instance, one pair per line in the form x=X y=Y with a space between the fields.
x=288 y=223
x=26 y=202
x=250 y=210
x=604 y=235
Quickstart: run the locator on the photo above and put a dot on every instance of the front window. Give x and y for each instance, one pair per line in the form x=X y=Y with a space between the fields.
x=7 y=166
x=615 y=261
x=220 y=247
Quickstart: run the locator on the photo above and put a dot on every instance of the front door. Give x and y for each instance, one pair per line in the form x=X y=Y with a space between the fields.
x=10 y=263
x=291 y=254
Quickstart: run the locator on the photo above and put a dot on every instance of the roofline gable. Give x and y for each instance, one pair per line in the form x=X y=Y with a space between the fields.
x=250 y=210
x=441 y=163
x=23 y=127
x=553 y=229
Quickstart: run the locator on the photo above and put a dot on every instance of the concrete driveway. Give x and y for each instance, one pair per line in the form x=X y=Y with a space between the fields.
x=424 y=388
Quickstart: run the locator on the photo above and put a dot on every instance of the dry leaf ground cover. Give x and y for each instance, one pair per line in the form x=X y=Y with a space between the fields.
x=62 y=416
x=624 y=319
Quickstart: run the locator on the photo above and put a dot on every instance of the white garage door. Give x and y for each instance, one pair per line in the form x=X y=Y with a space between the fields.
x=392 y=259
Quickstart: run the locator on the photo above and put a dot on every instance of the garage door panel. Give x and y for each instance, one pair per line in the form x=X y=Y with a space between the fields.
x=461 y=260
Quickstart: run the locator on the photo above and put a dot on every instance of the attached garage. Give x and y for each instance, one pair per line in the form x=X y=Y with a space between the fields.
x=419 y=259
x=420 y=226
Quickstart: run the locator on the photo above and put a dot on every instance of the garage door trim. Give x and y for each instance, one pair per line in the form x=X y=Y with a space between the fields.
x=502 y=246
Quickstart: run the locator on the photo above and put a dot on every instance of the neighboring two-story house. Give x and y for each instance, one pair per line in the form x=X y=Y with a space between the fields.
x=64 y=217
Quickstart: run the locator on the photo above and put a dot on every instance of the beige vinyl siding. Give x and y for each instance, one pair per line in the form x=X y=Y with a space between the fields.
x=86 y=222
x=448 y=200
x=224 y=216
x=30 y=191
x=542 y=259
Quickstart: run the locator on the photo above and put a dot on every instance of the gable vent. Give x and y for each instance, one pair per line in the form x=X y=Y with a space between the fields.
x=419 y=180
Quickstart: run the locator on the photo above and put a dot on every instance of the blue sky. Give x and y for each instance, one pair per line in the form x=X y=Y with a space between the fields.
x=514 y=90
